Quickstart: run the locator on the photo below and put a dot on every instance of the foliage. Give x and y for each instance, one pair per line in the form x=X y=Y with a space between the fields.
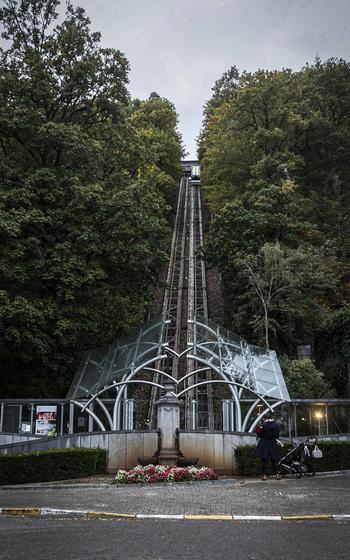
x=273 y=148
x=304 y=380
x=55 y=464
x=156 y=120
x=159 y=473
x=333 y=349
x=336 y=456
x=82 y=196
x=283 y=282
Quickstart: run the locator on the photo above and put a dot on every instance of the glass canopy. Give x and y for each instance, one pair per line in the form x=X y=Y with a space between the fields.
x=249 y=366
x=231 y=357
x=102 y=366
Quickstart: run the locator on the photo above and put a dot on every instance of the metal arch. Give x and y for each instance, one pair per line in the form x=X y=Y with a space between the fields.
x=206 y=327
x=212 y=381
x=216 y=356
x=234 y=393
x=96 y=418
x=116 y=407
x=115 y=384
x=120 y=384
x=200 y=370
x=235 y=383
x=142 y=381
x=249 y=412
x=177 y=354
x=257 y=420
x=238 y=411
x=130 y=376
x=104 y=408
x=255 y=368
x=155 y=370
x=237 y=364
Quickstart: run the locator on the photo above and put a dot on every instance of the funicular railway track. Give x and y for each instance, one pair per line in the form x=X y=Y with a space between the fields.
x=185 y=297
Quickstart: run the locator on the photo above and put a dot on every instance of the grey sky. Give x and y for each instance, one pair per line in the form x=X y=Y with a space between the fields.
x=180 y=47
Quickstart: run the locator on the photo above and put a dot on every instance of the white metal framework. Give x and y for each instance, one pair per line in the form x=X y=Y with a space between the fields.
x=229 y=359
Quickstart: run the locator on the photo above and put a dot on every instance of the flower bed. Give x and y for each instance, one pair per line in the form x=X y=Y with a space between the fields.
x=159 y=473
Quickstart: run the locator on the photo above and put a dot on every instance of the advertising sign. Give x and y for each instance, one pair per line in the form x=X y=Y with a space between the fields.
x=46 y=420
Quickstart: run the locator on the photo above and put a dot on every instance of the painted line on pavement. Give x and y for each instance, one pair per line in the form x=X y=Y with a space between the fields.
x=257 y=518
x=109 y=515
x=33 y=512
x=57 y=512
x=53 y=512
x=208 y=516
x=158 y=516
x=322 y=516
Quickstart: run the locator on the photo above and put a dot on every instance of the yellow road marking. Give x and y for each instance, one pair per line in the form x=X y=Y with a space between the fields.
x=300 y=517
x=21 y=511
x=108 y=515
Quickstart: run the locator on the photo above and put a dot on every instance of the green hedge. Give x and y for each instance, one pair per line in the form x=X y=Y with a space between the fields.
x=336 y=456
x=54 y=464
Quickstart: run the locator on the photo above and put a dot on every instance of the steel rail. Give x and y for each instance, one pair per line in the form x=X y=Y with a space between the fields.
x=174 y=291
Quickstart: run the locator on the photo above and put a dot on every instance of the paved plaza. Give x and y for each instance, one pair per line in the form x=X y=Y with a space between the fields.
x=326 y=494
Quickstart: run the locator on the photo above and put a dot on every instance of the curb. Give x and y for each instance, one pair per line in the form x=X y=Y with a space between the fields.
x=65 y=513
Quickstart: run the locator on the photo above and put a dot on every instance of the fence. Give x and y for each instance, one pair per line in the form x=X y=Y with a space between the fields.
x=297 y=418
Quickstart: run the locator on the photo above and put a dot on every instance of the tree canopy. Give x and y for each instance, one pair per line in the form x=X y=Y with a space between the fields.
x=83 y=177
x=274 y=149
x=304 y=380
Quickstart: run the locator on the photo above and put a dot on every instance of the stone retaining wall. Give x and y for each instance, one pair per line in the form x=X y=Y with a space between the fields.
x=123 y=448
x=214 y=449
x=8 y=438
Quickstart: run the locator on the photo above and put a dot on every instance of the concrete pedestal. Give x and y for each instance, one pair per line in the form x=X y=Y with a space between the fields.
x=168 y=419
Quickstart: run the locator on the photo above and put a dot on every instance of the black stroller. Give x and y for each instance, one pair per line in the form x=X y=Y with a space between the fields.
x=299 y=460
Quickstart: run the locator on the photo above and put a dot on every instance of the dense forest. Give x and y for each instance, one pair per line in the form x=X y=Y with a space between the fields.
x=85 y=175
x=275 y=153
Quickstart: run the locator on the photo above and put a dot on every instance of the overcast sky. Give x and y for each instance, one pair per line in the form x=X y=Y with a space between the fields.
x=178 y=48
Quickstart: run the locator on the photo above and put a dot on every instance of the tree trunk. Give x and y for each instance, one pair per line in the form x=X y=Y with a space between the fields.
x=266 y=320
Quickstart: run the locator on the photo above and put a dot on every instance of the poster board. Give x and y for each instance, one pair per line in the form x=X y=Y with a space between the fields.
x=46 y=420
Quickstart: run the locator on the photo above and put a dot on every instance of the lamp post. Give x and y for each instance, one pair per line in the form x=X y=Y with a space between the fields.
x=318 y=415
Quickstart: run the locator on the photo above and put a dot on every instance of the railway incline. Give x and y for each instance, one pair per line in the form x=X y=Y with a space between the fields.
x=185 y=297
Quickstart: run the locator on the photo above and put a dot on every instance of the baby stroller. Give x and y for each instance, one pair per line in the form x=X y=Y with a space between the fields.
x=299 y=460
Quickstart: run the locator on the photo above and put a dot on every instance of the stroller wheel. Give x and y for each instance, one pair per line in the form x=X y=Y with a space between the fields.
x=310 y=470
x=281 y=472
x=296 y=471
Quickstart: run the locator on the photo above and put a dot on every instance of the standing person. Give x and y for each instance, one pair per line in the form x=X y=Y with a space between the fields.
x=267 y=445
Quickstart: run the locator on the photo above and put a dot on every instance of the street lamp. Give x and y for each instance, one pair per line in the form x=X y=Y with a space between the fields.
x=318 y=415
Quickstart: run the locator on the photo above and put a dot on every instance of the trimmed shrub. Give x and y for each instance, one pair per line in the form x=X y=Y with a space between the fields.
x=101 y=461
x=54 y=464
x=336 y=456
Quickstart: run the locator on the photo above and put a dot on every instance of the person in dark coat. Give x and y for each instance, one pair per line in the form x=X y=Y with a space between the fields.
x=267 y=445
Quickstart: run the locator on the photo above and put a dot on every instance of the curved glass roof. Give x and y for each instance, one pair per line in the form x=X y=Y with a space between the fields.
x=100 y=367
x=248 y=366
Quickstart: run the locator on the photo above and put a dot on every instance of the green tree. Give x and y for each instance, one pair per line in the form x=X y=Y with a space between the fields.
x=156 y=121
x=282 y=282
x=82 y=224
x=333 y=349
x=273 y=147
x=304 y=380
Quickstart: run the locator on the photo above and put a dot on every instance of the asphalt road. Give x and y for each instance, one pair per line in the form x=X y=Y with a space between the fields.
x=71 y=539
